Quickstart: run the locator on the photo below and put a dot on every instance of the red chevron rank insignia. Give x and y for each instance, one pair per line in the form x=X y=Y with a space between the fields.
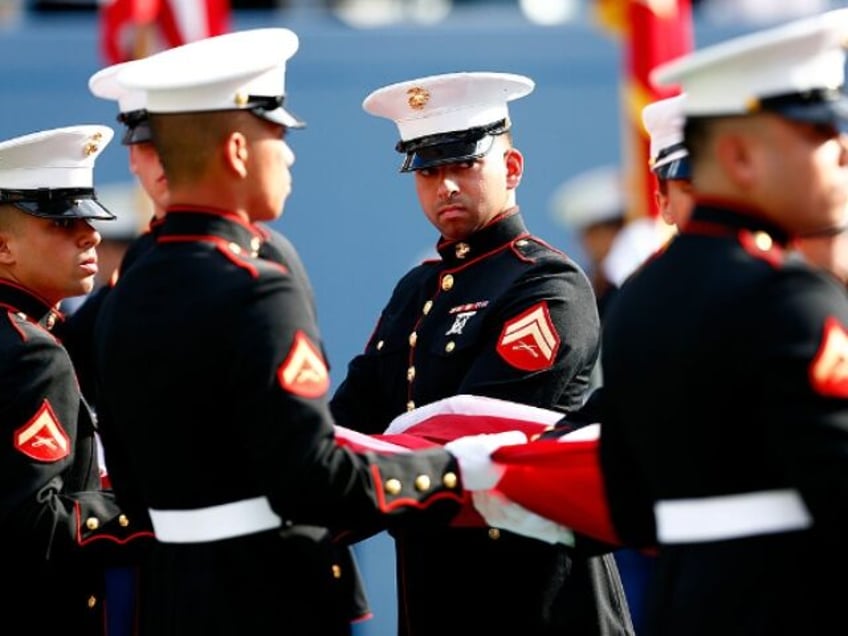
x=529 y=341
x=43 y=437
x=303 y=372
x=829 y=369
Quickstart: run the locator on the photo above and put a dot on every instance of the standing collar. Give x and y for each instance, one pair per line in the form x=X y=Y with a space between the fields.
x=21 y=300
x=713 y=215
x=500 y=232
x=204 y=223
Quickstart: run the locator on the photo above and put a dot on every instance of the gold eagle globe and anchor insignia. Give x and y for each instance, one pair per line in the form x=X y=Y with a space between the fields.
x=92 y=145
x=418 y=97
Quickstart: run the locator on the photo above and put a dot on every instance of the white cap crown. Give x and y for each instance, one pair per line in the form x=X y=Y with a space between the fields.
x=734 y=77
x=664 y=121
x=53 y=159
x=591 y=197
x=447 y=103
x=104 y=84
x=223 y=72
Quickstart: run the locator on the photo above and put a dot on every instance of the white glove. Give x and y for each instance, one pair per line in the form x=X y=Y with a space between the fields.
x=473 y=453
x=501 y=512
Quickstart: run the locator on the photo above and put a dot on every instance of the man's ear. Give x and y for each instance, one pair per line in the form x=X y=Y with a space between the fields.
x=736 y=157
x=7 y=255
x=236 y=153
x=514 y=167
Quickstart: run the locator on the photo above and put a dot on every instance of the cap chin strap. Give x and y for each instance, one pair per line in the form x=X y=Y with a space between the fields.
x=468 y=135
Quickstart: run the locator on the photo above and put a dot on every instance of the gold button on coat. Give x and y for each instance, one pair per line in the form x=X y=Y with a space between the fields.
x=427 y=307
x=450 y=346
x=763 y=241
x=413 y=338
x=380 y=345
x=494 y=534
x=450 y=480
x=410 y=406
x=92 y=523
x=410 y=374
x=422 y=483
x=123 y=521
x=393 y=486
x=92 y=601
x=337 y=571
x=447 y=282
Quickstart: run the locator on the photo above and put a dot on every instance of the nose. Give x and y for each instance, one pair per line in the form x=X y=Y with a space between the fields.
x=843 y=144
x=288 y=155
x=448 y=187
x=89 y=236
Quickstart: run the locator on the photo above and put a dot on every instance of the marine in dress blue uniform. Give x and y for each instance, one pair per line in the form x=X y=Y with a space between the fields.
x=739 y=471
x=59 y=528
x=498 y=313
x=213 y=390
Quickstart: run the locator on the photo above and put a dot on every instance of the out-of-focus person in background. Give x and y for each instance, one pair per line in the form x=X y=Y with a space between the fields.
x=642 y=237
x=592 y=205
x=669 y=161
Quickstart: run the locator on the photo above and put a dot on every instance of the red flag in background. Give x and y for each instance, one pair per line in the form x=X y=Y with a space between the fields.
x=652 y=32
x=131 y=29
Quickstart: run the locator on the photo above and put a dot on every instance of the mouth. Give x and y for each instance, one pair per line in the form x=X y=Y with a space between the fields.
x=451 y=212
x=89 y=266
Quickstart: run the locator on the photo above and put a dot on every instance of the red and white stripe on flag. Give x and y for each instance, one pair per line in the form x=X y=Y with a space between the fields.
x=172 y=22
x=559 y=479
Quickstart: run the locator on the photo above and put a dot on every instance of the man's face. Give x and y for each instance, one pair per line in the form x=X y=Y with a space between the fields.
x=55 y=259
x=270 y=161
x=460 y=198
x=675 y=200
x=145 y=165
x=802 y=172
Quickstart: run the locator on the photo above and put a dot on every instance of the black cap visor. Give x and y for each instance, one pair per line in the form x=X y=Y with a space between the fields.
x=820 y=106
x=679 y=169
x=62 y=203
x=137 y=127
x=270 y=107
x=441 y=154
x=450 y=147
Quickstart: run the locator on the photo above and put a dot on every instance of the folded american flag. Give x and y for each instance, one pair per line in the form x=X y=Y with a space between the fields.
x=557 y=478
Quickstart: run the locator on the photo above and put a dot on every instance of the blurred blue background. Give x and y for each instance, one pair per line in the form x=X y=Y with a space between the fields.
x=353 y=216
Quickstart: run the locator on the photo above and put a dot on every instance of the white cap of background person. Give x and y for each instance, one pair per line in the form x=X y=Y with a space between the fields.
x=590 y=198
x=795 y=70
x=132 y=104
x=448 y=118
x=50 y=173
x=664 y=120
x=243 y=70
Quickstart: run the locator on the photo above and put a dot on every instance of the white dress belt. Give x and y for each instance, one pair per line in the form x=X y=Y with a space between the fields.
x=214 y=523
x=730 y=516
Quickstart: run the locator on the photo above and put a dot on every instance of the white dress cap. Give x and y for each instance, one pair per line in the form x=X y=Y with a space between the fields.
x=132 y=104
x=54 y=159
x=664 y=121
x=801 y=62
x=104 y=84
x=591 y=197
x=447 y=103
x=58 y=161
x=243 y=70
